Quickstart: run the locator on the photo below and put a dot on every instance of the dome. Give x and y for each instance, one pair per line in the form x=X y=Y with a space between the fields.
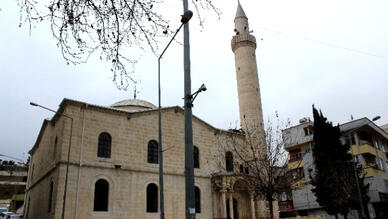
x=133 y=105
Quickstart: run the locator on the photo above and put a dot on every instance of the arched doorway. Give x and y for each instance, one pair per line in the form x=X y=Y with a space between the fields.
x=235 y=209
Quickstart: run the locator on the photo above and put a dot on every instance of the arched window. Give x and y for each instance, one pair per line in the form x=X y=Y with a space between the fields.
x=197 y=200
x=241 y=168
x=196 y=157
x=50 y=195
x=152 y=198
x=229 y=161
x=104 y=145
x=101 y=195
x=153 y=148
x=55 y=147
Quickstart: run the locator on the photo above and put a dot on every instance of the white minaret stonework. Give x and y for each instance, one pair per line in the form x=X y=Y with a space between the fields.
x=244 y=47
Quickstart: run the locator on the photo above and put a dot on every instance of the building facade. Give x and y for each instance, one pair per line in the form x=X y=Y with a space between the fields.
x=103 y=162
x=369 y=145
x=13 y=179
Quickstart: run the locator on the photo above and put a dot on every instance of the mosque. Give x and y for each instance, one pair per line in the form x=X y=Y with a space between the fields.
x=113 y=160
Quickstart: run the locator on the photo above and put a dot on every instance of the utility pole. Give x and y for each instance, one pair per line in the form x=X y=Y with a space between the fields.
x=189 y=162
x=185 y=18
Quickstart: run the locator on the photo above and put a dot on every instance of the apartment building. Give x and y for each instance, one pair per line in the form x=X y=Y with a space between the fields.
x=369 y=145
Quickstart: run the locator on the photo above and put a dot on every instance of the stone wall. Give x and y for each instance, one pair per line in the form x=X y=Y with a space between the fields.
x=127 y=186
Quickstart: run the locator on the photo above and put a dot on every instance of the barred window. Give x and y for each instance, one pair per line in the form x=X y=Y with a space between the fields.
x=152 y=198
x=196 y=157
x=153 y=148
x=101 y=195
x=104 y=145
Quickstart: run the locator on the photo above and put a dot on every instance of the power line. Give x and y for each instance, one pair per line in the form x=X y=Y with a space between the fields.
x=324 y=43
x=13 y=158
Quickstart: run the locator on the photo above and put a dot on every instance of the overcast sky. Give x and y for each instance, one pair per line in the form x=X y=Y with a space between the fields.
x=333 y=54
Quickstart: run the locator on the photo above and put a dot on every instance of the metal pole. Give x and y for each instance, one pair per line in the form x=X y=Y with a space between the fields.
x=189 y=162
x=67 y=168
x=161 y=188
x=358 y=189
x=68 y=152
x=363 y=215
x=160 y=151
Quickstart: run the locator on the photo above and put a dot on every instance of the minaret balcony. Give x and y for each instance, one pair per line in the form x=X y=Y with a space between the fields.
x=243 y=40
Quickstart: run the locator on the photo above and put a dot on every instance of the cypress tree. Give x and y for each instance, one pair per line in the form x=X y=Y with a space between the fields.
x=334 y=179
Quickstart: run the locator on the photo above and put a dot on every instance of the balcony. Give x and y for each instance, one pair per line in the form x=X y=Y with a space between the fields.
x=295 y=164
x=298 y=184
x=372 y=171
x=364 y=149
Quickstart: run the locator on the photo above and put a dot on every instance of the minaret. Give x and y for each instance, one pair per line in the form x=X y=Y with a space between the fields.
x=244 y=47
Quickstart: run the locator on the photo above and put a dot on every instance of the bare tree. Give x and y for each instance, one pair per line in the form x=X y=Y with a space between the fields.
x=261 y=161
x=105 y=27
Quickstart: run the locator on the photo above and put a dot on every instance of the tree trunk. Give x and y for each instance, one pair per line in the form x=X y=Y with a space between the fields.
x=270 y=208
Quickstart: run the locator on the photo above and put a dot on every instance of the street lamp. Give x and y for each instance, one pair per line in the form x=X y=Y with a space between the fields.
x=68 y=152
x=185 y=18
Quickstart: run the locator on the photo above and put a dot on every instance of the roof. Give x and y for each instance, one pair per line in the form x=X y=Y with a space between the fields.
x=134 y=102
x=385 y=127
x=240 y=12
x=356 y=124
x=66 y=101
x=347 y=127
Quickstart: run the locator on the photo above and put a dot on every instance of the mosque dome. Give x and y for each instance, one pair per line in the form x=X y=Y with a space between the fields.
x=133 y=105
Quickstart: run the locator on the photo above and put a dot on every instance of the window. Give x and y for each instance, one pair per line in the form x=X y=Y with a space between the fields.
x=295 y=155
x=153 y=148
x=352 y=139
x=229 y=161
x=297 y=174
x=104 y=145
x=28 y=206
x=196 y=157
x=309 y=130
x=101 y=195
x=152 y=198
x=55 y=147
x=32 y=173
x=244 y=169
x=197 y=200
x=50 y=195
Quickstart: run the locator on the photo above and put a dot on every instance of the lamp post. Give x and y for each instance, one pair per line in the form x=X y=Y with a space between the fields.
x=189 y=161
x=68 y=152
x=185 y=18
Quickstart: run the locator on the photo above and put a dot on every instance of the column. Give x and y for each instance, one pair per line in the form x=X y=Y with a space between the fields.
x=223 y=205
x=253 y=212
x=214 y=203
x=231 y=205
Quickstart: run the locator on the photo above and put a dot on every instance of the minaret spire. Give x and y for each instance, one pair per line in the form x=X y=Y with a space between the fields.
x=241 y=20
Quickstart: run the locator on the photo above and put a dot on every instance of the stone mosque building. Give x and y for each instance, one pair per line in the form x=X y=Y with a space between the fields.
x=113 y=160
